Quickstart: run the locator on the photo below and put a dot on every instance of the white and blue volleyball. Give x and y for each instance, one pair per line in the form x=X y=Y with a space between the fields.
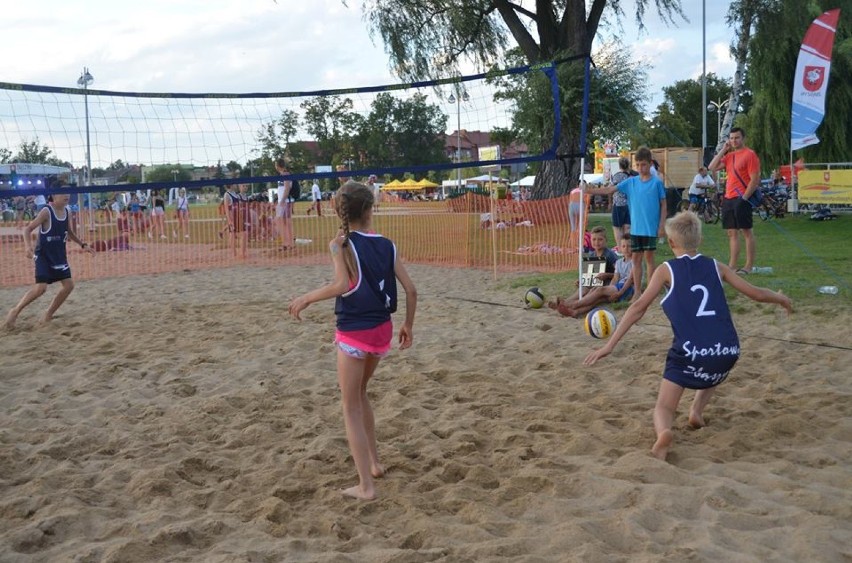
x=600 y=323
x=534 y=298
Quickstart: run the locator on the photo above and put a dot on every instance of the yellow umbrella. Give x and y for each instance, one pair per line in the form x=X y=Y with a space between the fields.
x=424 y=183
x=409 y=184
x=392 y=185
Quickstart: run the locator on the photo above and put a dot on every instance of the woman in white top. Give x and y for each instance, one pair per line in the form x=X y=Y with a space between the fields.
x=182 y=213
x=284 y=208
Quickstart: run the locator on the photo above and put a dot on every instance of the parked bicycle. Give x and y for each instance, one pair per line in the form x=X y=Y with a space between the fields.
x=707 y=207
x=772 y=205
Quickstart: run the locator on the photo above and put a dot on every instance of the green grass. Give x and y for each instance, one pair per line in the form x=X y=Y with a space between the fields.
x=803 y=254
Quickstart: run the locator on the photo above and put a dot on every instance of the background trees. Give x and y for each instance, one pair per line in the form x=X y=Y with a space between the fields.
x=430 y=38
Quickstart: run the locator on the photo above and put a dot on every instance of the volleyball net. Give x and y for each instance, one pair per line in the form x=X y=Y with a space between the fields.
x=446 y=133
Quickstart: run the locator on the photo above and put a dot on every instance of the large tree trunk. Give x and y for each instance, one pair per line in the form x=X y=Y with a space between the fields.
x=741 y=55
x=557 y=177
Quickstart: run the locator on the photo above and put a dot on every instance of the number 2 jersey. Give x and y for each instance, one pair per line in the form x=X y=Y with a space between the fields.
x=705 y=345
x=51 y=259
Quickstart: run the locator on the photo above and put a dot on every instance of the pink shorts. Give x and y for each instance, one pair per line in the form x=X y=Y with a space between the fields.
x=374 y=341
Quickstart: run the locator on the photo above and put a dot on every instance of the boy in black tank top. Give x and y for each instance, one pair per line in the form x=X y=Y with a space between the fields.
x=51 y=261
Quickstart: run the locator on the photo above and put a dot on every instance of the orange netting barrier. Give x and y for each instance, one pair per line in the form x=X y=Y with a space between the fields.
x=472 y=231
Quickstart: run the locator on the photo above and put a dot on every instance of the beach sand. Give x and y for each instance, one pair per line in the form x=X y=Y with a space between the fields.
x=187 y=417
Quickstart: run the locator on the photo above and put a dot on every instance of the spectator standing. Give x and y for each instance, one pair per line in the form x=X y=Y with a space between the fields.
x=284 y=209
x=316 y=199
x=742 y=167
x=620 y=211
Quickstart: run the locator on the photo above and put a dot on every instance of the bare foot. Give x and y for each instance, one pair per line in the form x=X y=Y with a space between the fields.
x=359 y=493
x=10 y=320
x=377 y=470
x=566 y=311
x=661 y=446
x=555 y=304
x=696 y=420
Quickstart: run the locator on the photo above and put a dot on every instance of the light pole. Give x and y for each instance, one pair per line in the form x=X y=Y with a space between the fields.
x=717 y=107
x=463 y=97
x=175 y=172
x=84 y=81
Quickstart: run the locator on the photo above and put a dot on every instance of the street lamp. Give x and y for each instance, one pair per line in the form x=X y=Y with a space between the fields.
x=463 y=97
x=717 y=107
x=175 y=172
x=84 y=81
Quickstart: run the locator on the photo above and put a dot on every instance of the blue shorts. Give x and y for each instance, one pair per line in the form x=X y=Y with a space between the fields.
x=620 y=215
x=701 y=373
x=627 y=294
x=641 y=244
x=695 y=198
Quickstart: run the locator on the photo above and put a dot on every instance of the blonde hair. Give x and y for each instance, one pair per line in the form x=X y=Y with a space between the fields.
x=685 y=230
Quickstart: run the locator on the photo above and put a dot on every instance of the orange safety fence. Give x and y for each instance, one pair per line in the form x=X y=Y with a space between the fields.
x=471 y=231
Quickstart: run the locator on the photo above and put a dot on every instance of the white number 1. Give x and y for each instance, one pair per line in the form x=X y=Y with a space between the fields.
x=702 y=312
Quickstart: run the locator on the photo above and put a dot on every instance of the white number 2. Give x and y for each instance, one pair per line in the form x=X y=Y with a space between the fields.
x=702 y=312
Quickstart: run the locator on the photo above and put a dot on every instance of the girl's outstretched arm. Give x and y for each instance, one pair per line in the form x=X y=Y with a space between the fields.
x=339 y=286
x=635 y=312
x=406 y=333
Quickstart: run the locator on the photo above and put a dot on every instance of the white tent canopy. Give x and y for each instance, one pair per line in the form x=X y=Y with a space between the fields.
x=594 y=178
x=525 y=182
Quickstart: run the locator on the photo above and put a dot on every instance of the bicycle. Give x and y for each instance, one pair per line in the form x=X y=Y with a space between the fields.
x=707 y=208
x=771 y=206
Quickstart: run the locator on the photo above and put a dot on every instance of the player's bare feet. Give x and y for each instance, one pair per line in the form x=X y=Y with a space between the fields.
x=359 y=493
x=554 y=304
x=377 y=470
x=10 y=320
x=662 y=445
x=696 y=420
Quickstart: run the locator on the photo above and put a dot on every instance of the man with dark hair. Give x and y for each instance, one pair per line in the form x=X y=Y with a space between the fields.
x=743 y=170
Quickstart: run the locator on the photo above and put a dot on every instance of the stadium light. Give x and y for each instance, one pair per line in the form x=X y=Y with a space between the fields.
x=463 y=97
x=84 y=82
x=717 y=107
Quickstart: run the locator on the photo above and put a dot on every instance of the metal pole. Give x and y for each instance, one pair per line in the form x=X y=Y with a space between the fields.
x=88 y=148
x=703 y=77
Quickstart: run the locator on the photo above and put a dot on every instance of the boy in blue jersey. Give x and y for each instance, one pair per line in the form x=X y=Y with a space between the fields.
x=646 y=201
x=705 y=345
x=51 y=261
x=366 y=269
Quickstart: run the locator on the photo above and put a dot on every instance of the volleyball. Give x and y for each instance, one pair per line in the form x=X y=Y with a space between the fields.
x=600 y=323
x=534 y=298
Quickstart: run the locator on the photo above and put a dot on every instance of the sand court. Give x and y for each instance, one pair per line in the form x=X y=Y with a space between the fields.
x=187 y=417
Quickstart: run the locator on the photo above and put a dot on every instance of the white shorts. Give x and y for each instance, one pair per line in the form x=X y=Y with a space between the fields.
x=158 y=211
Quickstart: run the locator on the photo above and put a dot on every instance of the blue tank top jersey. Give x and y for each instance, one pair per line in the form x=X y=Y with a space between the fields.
x=705 y=344
x=373 y=298
x=50 y=257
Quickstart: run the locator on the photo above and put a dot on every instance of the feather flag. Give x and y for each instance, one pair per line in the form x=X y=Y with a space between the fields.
x=811 y=81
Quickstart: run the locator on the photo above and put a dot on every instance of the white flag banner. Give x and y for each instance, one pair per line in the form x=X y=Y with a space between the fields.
x=811 y=81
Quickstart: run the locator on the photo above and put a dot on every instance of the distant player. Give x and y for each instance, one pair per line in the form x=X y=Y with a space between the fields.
x=705 y=345
x=51 y=260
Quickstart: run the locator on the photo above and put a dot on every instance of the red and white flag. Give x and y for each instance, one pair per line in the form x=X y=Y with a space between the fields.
x=811 y=82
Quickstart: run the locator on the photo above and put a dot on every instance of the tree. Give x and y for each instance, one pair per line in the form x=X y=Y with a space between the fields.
x=35 y=153
x=430 y=38
x=333 y=123
x=167 y=173
x=773 y=52
x=401 y=132
x=683 y=99
x=5 y=155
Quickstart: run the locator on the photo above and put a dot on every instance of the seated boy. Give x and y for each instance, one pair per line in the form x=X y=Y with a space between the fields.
x=598 y=251
x=620 y=289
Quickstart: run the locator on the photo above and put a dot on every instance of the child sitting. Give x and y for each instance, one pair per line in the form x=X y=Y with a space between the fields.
x=620 y=289
x=598 y=251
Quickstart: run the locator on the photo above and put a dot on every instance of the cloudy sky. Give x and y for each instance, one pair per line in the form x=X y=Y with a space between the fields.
x=264 y=45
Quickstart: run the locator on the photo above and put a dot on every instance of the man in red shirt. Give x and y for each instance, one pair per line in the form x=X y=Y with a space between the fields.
x=743 y=169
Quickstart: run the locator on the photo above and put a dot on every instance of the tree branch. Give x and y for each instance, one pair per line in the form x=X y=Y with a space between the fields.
x=518 y=30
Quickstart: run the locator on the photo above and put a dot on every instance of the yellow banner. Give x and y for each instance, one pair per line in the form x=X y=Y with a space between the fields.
x=825 y=186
